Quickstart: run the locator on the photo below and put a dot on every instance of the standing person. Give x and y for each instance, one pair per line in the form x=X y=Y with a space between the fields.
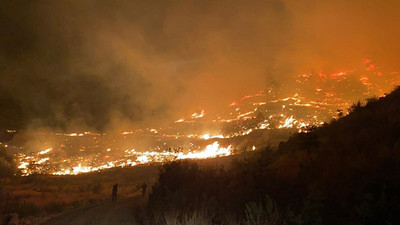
x=114 y=192
x=144 y=186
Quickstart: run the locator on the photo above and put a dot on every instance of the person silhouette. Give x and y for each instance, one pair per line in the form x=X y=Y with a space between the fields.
x=144 y=187
x=114 y=192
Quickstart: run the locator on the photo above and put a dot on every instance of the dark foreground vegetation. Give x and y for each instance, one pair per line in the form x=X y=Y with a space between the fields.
x=36 y=198
x=345 y=172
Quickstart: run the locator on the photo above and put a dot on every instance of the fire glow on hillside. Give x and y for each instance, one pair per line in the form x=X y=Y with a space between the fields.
x=186 y=138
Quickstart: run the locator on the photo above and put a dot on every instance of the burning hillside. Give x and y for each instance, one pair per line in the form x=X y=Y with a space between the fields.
x=317 y=98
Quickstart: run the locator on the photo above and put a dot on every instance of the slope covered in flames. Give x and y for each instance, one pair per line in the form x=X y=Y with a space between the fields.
x=251 y=122
x=345 y=172
x=317 y=98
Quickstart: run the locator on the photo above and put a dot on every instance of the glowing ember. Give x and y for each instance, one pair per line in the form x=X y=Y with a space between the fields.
x=208 y=136
x=233 y=104
x=45 y=151
x=289 y=123
x=41 y=161
x=143 y=159
x=198 y=115
x=23 y=165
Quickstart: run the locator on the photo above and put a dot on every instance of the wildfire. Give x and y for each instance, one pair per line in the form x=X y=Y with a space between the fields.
x=45 y=151
x=23 y=165
x=41 y=161
x=259 y=94
x=211 y=151
x=197 y=135
x=192 y=117
x=208 y=136
x=289 y=123
x=198 y=115
x=365 y=80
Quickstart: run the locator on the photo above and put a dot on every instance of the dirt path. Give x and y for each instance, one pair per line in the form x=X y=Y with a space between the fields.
x=120 y=212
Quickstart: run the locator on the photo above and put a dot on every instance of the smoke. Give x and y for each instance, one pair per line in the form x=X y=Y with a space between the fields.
x=332 y=34
x=108 y=64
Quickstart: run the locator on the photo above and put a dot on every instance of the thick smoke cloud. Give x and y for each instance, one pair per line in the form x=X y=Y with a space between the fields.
x=98 y=64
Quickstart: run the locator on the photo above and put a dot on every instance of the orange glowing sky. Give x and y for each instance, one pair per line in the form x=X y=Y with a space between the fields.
x=104 y=65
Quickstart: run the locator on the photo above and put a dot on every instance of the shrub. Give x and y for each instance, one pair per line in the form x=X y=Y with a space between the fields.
x=355 y=107
x=269 y=214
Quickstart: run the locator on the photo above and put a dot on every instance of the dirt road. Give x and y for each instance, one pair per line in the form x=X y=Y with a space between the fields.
x=108 y=213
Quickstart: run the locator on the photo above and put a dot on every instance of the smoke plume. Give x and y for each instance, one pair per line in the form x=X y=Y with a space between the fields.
x=103 y=64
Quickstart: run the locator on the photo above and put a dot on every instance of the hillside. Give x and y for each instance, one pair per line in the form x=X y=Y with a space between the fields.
x=353 y=161
x=345 y=172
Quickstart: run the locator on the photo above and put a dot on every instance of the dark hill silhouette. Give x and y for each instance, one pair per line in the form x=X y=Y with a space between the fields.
x=345 y=172
x=354 y=161
x=370 y=126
